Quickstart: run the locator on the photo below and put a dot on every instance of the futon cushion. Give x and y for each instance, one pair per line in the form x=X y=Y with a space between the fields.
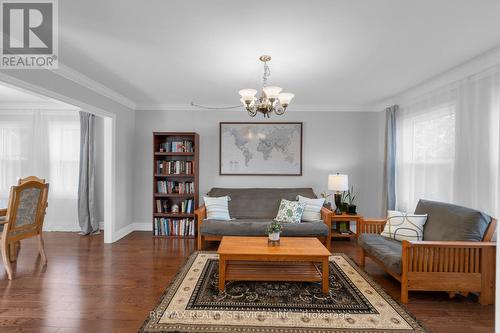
x=217 y=208
x=451 y=222
x=401 y=226
x=290 y=211
x=312 y=210
x=387 y=250
x=257 y=227
x=261 y=203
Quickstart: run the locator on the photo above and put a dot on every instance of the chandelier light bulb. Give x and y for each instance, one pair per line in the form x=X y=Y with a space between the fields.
x=247 y=94
x=272 y=92
x=285 y=98
x=247 y=103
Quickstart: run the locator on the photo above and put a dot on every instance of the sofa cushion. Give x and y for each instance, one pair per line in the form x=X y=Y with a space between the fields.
x=451 y=222
x=312 y=211
x=217 y=208
x=401 y=226
x=258 y=203
x=387 y=250
x=257 y=227
x=290 y=211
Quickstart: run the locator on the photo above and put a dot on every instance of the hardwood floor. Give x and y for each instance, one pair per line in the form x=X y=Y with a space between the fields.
x=89 y=286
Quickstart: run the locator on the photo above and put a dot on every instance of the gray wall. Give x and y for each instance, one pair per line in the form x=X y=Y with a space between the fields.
x=345 y=142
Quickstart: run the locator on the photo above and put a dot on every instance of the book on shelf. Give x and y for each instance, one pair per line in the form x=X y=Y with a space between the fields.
x=173 y=227
x=174 y=167
x=185 y=207
x=173 y=187
x=184 y=146
x=161 y=206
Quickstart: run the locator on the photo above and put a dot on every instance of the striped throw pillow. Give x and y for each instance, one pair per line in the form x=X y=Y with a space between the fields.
x=217 y=208
x=401 y=226
x=312 y=210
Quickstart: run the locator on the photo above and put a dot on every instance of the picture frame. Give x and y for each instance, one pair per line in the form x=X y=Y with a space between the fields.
x=260 y=148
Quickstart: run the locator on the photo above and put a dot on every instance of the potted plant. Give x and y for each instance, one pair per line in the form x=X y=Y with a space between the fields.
x=325 y=196
x=350 y=199
x=274 y=230
x=343 y=202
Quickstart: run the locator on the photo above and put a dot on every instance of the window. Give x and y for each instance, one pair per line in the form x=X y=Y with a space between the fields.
x=64 y=143
x=426 y=154
x=45 y=144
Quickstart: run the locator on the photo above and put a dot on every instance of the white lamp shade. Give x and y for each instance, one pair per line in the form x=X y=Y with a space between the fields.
x=272 y=91
x=338 y=182
x=285 y=98
x=247 y=94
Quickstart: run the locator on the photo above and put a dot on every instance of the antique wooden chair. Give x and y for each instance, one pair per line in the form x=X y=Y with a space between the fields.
x=23 y=218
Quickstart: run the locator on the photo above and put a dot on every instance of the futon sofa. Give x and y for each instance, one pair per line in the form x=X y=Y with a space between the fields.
x=456 y=255
x=253 y=209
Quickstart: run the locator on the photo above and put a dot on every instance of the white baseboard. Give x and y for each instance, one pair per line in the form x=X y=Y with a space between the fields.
x=119 y=234
x=136 y=226
x=143 y=226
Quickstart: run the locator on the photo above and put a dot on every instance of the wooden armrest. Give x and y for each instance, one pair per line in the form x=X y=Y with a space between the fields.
x=3 y=212
x=326 y=213
x=456 y=257
x=326 y=216
x=449 y=244
x=3 y=222
x=375 y=221
x=200 y=213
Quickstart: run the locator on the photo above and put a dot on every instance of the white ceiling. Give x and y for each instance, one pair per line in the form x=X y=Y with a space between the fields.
x=331 y=52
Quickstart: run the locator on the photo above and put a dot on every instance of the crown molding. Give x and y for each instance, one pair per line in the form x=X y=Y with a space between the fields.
x=466 y=69
x=38 y=106
x=292 y=108
x=83 y=80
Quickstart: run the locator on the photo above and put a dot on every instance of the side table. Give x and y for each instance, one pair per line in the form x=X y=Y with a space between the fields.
x=344 y=218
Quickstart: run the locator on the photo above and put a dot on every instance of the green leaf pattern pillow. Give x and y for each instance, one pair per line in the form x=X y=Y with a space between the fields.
x=290 y=211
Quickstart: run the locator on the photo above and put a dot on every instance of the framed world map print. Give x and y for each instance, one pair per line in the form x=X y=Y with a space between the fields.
x=271 y=148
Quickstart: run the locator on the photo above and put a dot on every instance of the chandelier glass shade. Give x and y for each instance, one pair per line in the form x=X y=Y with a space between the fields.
x=271 y=98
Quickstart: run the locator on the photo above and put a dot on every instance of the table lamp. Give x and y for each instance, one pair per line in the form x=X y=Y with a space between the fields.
x=338 y=183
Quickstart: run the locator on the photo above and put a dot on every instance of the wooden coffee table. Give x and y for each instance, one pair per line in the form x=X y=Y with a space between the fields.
x=252 y=259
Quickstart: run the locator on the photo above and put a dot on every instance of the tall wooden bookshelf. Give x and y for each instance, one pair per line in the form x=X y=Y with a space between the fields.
x=175 y=181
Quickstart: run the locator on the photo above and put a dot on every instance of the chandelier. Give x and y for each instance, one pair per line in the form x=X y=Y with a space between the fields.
x=271 y=98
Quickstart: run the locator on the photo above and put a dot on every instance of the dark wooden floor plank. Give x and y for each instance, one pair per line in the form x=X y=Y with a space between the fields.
x=89 y=286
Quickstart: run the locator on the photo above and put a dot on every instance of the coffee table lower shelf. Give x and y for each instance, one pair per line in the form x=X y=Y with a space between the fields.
x=272 y=271
x=236 y=270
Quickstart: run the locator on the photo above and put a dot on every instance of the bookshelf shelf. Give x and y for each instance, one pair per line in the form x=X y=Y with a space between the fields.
x=172 y=236
x=173 y=215
x=174 y=154
x=175 y=168
x=173 y=195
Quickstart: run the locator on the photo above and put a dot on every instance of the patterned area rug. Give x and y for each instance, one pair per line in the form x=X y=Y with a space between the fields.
x=354 y=304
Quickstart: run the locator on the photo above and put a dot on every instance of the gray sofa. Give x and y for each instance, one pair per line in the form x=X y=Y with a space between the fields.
x=456 y=254
x=252 y=209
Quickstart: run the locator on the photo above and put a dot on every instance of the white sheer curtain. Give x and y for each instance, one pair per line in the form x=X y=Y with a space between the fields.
x=448 y=145
x=44 y=144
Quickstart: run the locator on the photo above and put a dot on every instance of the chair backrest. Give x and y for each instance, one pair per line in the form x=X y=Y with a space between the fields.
x=448 y=222
x=262 y=203
x=26 y=210
x=29 y=179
